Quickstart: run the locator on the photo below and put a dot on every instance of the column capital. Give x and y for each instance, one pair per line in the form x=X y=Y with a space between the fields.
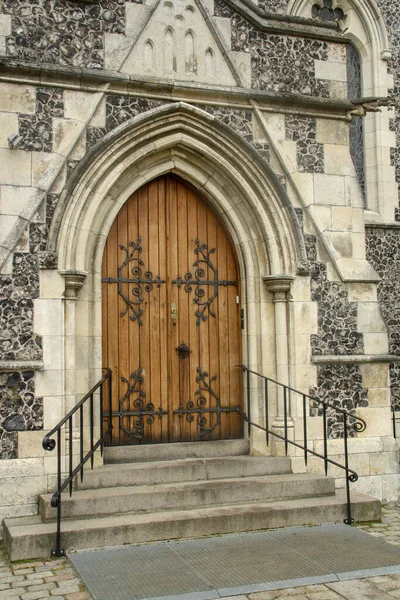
x=278 y=283
x=74 y=280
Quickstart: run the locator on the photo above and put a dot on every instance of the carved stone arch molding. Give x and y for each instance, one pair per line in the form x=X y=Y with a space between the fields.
x=186 y=141
x=191 y=143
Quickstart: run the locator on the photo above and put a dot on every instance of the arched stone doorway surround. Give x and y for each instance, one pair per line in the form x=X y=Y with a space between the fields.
x=242 y=190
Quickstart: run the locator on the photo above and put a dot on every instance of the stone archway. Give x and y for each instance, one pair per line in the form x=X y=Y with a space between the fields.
x=241 y=189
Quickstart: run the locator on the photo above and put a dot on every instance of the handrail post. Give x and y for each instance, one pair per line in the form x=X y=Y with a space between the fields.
x=49 y=444
x=349 y=519
x=248 y=404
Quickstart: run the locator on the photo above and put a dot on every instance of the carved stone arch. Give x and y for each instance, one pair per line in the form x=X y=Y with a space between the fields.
x=230 y=176
x=185 y=140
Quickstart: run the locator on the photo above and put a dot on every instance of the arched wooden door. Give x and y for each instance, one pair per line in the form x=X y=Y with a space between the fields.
x=171 y=323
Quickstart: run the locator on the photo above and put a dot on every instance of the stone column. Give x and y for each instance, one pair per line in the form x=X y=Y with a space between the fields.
x=280 y=285
x=74 y=280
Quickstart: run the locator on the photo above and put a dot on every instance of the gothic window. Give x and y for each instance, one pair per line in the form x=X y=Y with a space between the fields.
x=325 y=12
x=354 y=91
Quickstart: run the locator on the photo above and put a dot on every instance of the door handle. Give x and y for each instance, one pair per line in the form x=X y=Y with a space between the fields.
x=183 y=350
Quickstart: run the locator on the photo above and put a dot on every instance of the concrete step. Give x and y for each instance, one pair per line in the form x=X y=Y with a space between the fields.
x=174 y=471
x=28 y=537
x=175 y=451
x=174 y=496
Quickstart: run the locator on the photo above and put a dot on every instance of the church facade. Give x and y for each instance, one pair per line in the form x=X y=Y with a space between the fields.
x=214 y=177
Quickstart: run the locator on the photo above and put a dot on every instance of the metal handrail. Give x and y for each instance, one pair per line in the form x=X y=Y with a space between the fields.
x=49 y=444
x=358 y=425
x=394 y=419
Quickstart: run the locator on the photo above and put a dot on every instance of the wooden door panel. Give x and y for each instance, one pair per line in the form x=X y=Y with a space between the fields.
x=165 y=249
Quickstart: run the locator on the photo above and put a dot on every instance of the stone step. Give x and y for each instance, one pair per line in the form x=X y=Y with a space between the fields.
x=173 y=496
x=175 y=451
x=173 y=471
x=28 y=537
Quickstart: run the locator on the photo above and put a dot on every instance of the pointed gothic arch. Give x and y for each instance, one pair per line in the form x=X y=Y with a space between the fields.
x=191 y=143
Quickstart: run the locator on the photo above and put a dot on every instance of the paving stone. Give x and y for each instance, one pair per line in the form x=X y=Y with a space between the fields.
x=42 y=587
x=13 y=593
x=57 y=578
x=35 y=595
x=17 y=567
x=85 y=596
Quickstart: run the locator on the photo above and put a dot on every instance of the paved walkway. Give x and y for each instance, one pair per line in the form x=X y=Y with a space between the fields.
x=56 y=579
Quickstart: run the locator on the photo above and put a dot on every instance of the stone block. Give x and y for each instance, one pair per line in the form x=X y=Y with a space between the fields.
x=332 y=132
x=376 y=343
x=80 y=106
x=375 y=375
x=333 y=71
x=5 y=25
x=15 y=167
x=46 y=166
x=379 y=422
x=329 y=189
x=338 y=160
x=370 y=485
x=379 y=397
x=338 y=90
x=48 y=316
x=53 y=411
x=353 y=196
x=384 y=462
x=49 y=383
x=369 y=318
x=65 y=135
x=337 y=53
x=17 y=98
x=390 y=487
x=30 y=444
x=305 y=316
x=22 y=490
x=8 y=125
x=305 y=186
x=342 y=243
x=51 y=284
x=362 y=291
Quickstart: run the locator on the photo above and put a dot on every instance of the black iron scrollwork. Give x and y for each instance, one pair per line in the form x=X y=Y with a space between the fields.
x=199 y=407
x=140 y=411
x=141 y=281
x=204 y=306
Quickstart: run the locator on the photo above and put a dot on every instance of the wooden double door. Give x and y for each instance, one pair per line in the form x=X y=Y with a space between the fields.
x=171 y=319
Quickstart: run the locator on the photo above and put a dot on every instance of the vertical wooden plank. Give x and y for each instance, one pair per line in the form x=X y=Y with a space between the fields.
x=223 y=332
x=104 y=328
x=122 y=324
x=144 y=329
x=173 y=338
x=164 y=314
x=113 y=316
x=235 y=354
x=194 y=331
x=183 y=305
x=133 y=349
x=212 y=323
x=204 y=362
x=154 y=382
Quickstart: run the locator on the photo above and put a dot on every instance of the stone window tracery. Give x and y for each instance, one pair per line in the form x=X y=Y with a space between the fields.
x=326 y=12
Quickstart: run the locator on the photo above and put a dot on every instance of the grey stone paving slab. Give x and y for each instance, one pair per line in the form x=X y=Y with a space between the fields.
x=215 y=567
